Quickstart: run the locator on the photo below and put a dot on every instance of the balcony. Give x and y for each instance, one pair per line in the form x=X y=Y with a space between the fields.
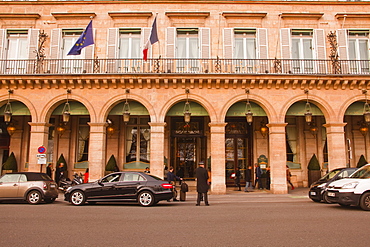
x=185 y=66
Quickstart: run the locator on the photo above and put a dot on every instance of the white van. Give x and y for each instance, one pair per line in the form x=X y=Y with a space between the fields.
x=352 y=191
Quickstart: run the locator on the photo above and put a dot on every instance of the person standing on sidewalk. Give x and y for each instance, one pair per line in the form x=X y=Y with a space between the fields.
x=237 y=178
x=258 y=172
x=248 y=176
x=171 y=178
x=202 y=183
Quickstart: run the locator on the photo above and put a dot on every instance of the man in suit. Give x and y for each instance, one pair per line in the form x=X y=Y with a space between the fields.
x=202 y=183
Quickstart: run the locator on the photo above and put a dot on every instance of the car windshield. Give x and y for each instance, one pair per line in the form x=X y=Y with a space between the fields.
x=363 y=173
x=330 y=175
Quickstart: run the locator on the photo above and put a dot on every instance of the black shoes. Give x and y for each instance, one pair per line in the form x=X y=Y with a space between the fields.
x=197 y=204
x=175 y=200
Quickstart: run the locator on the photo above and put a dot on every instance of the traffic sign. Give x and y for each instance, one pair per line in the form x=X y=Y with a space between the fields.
x=41 y=150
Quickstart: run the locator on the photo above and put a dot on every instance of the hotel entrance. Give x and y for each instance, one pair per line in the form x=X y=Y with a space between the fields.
x=188 y=146
x=238 y=148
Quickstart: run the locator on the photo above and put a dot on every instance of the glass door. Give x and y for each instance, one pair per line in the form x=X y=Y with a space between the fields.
x=236 y=156
x=186 y=157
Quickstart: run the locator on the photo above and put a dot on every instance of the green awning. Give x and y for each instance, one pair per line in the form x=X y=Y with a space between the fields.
x=356 y=108
x=298 y=109
x=136 y=109
x=18 y=109
x=76 y=107
x=238 y=109
x=195 y=109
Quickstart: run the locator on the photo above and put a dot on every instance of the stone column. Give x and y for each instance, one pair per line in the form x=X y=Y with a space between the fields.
x=157 y=148
x=38 y=137
x=97 y=149
x=217 y=130
x=277 y=157
x=336 y=145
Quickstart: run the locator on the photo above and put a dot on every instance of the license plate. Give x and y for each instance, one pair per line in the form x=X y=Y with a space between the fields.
x=313 y=193
x=331 y=194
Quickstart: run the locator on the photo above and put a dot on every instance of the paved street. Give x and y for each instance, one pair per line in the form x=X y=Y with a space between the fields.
x=235 y=219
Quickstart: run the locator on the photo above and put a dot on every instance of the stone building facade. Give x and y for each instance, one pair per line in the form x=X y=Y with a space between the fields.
x=216 y=60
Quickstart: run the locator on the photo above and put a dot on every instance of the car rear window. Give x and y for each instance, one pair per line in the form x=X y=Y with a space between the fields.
x=38 y=177
x=156 y=178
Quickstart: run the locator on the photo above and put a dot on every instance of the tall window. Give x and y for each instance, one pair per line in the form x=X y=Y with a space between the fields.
x=291 y=140
x=358 y=49
x=69 y=38
x=245 y=44
x=302 y=49
x=188 y=48
x=138 y=140
x=83 y=140
x=17 y=49
x=129 y=43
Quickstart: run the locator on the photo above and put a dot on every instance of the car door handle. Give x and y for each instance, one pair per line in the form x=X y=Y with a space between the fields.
x=15 y=184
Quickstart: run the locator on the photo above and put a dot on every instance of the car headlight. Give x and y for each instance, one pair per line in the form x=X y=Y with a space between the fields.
x=350 y=185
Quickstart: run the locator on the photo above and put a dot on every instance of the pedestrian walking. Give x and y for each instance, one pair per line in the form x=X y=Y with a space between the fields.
x=171 y=178
x=258 y=172
x=49 y=170
x=237 y=178
x=201 y=175
x=59 y=173
x=248 y=177
x=288 y=175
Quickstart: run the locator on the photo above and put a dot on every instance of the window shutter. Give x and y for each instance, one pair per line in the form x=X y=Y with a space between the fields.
x=228 y=40
x=112 y=43
x=89 y=56
x=33 y=38
x=342 y=41
x=170 y=42
x=2 y=40
x=54 y=49
x=285 y=42
x=262 y=43
x=205 y=41
x=320 y=50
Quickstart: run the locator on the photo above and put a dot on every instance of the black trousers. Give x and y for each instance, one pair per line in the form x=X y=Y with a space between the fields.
x=205 y=197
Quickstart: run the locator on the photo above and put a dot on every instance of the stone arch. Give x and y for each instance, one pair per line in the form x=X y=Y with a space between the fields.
x=347 y=103
x=266 y=106
x=25 y=101
x=108 y=106
x=178 y=98
x=323 y=105
x=54 y=103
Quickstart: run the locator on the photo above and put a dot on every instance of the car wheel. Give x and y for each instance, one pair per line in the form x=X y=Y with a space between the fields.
x=325 y=198
x=50 y=200
x=34 y=197
x=78 y=198
x=365 y=201
x=146 y=199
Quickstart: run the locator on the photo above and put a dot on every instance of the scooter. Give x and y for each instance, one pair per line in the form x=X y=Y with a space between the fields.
x=65 y=183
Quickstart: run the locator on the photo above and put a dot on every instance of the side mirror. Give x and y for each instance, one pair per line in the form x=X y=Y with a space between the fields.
x=100 y=183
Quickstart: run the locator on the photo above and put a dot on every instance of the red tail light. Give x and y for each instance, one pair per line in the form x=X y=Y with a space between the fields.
x=45 y=186
x=166 y=186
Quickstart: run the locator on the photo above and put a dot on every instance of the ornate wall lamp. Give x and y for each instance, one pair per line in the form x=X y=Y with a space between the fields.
x=8 y=109
x=264 y=129
x=11 y=129
x=126 y=108
x=308 y=113
x=67 y=109
x=364 y=129
x=187 y=113
x=110 y=128
x=366 y=111
x=248 y=109
x=314 y=129
x=61 y=129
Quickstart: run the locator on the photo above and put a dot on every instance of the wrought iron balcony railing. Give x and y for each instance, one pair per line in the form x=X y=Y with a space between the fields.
x=187 y=66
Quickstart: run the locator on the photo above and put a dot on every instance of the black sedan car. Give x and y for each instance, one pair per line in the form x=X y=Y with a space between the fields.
x=139 y=187
x=317 y=191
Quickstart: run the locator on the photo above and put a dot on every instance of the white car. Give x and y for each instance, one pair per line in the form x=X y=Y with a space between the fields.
x=352 y=191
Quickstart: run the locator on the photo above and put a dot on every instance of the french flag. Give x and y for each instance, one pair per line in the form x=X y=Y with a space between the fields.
x=153 y=38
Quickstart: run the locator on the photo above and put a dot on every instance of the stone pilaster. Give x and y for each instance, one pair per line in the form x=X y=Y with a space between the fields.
x=157 y=148
x=97 y=149
x=277 y=157
x=217 y=130
x=336 y=145
x=38 y=137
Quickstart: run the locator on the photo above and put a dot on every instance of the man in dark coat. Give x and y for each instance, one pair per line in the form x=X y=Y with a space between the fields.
x=202 y=183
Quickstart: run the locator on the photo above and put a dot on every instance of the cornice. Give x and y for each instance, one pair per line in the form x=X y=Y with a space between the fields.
x=19 y=16
x=116 y=15
x=73 y=15
x=302 y=15
x=229 y=14
x=187 y=14
x=352 y=15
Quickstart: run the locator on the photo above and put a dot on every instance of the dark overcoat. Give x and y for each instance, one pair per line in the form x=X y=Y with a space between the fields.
x=202 y=179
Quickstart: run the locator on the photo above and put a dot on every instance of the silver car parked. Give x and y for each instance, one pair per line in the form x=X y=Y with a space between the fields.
x=33 y=187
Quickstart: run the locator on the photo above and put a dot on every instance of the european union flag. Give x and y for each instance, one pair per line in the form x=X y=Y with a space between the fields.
x=84 y=40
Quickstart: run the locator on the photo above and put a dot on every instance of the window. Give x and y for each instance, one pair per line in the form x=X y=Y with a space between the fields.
x=10 y=178
x=69 y=38
x=291 y=140
x=133 y=177
x=83 y=140
x=358 y=49
x=111 y=178
x=129 y=43
x=17 y=49
x=244 y=48
x=138 y=140
x=188 y=48
x=302 y=49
